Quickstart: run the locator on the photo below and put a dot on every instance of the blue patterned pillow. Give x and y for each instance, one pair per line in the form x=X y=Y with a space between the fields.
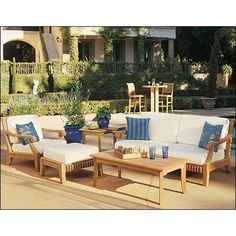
x=210 y=133
x=27 y=129
x=137 y=128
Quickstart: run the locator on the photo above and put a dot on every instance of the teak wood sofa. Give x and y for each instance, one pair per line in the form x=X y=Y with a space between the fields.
x=51 y=149
x=182 y=134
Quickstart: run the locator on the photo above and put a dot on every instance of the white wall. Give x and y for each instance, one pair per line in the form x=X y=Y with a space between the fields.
x=30 y=37
x=99 y=49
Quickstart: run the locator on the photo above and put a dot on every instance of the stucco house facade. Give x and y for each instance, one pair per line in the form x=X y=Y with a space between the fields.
x=40 y=44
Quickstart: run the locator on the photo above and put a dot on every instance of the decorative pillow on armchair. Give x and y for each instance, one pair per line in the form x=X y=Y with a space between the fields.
x=27 y=129
x=137 y=128
x=210 y=133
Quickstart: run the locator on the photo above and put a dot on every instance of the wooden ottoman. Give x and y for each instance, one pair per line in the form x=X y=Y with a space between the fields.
x=67 y=157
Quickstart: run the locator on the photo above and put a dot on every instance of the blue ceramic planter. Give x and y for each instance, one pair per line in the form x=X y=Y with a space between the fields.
x=103 y=122
x=73 y=134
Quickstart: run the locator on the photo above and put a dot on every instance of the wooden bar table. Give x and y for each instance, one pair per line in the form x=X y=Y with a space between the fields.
x=154 y=92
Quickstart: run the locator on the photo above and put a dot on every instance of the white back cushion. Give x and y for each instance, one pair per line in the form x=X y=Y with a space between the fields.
x=163 y=126
x=23 y=119
x=190 y=128
x=53 y=122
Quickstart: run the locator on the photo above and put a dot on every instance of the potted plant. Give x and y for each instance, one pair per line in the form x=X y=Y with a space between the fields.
x=75 y=118
x=103 y=116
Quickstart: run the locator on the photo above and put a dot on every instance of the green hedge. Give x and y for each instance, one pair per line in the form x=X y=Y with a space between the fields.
x=4 y=84
x=36 y=106
x=106 y=80
x=24 y=83
x=60 y=108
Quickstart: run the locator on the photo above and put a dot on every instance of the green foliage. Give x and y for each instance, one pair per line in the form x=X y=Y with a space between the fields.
x=194 y=43
x=28 y=104
x=103 y=111
x=24 y=83
x=12 y=78
x=213 y=67
x=74 y=109
x=74 y=52
x=109 y=33
x=4 y=84
x=227 y=69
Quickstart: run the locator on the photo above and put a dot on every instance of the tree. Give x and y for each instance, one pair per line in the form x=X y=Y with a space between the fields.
x=213 y=67
x=224 y=45
x=194 y=43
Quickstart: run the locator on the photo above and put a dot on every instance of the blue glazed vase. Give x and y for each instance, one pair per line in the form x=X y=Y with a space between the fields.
x=73 y=134
x=103 y=122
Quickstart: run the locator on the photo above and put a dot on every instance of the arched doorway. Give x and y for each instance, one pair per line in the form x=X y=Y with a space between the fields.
x=21 y=51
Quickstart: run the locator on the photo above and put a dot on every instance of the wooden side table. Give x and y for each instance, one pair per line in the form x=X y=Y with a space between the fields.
x=99 y=133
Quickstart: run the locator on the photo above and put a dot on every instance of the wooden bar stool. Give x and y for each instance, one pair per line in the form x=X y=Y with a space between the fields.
x=166 y=97
x=136 y=100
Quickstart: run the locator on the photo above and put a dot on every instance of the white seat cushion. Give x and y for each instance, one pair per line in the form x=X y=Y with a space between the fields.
x=40 y=146
x=193 y=153
x=163 y=126
x=190 y=128
x=70 y=153
x=23 y=119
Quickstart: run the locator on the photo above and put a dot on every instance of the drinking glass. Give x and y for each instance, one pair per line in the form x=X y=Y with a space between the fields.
x=165 y=151
x=152 y=152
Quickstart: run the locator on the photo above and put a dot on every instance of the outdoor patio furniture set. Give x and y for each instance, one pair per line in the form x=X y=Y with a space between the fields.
x=180 y=132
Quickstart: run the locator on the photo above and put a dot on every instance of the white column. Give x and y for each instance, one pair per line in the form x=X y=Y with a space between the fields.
x=156 y=99
x=171 y=48
x=152 y=100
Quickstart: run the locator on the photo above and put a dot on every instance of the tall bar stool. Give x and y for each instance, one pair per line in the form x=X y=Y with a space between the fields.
x=166 y=97
x=136 y=100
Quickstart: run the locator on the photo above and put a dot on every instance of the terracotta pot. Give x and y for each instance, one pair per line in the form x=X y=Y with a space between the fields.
x=208 y=103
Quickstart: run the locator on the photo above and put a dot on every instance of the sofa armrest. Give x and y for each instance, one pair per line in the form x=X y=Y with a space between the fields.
x=29 y=137
x=61 y=133
x=210 y=146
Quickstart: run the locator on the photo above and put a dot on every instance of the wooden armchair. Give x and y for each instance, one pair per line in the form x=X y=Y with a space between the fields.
x=136 y=100
x=33 y=150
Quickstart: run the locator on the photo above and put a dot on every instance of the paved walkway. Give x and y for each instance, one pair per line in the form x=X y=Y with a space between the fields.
x=222 y=112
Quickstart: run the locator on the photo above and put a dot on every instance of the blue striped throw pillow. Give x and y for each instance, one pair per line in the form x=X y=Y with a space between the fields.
x=138 y=128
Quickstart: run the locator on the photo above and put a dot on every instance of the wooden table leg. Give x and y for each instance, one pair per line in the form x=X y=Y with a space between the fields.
x=99 y=143
x=160 y=187
x=95 y=172
x=62 y=173
x=119 y=171
x=114 y=139
x=183 y=179
x=83 y=138
x=42 y=168
x=100 y=169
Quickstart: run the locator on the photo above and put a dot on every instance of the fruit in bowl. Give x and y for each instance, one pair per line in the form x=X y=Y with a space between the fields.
x=92 y=125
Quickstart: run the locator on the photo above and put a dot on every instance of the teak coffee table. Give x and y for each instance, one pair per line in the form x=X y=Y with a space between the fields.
x=159 y=167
